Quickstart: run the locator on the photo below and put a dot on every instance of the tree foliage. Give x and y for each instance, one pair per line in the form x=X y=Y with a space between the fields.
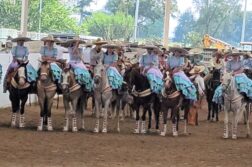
x=110 y=26
x=218 y=18
x=55 y=16
x=151 y=14
x=81 y=6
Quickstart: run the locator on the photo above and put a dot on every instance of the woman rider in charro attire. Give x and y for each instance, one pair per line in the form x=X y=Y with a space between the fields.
x=148 y=64
x=236 y=67
x=175 y=64
x=110 y=59
x=19 y=52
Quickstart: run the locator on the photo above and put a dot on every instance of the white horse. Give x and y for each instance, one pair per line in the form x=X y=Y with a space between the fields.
x=102 y=95
x=233 y=102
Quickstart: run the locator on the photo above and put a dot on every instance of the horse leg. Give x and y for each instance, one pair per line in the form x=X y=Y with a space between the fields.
x=137 y=126
x=143 y=128
x=150 y=116
x=15 y=109
x=67 y=108
x=165 y=114
x=225 y=135
x=74 y=119
x=82 y=111
x=156 y=113
x=119 y=112
x=22 y=110
x=234 y=125
x=49 y=119
x=97 y=113
x=187 y=109
x=247 y=124
x=41 y=101
x=209 y=110
x=105 y=117
x=175 y=120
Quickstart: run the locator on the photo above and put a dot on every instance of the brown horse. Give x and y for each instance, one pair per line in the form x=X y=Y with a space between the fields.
x=46 y=90
x=72 y=93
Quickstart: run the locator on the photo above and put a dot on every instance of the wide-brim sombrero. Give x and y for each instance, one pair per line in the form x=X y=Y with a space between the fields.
x=111 y=46
x=235 y=53
x=75 y=40
x=197 y=70
x=21 y=38
x=99 y=42
x=179 y=49
x=195 y=51
x=148 y=46
x=50 y=38
x=248 y=54
x=218 y=53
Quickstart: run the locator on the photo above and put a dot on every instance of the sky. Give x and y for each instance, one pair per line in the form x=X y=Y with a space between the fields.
x=182 y=6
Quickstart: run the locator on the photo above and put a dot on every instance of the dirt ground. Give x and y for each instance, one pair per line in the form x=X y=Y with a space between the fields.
x=203 y=147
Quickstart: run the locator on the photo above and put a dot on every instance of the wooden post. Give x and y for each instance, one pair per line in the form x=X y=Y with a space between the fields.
x=24 y=17
x=167 y=22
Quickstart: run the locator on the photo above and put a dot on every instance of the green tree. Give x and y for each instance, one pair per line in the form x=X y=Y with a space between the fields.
x=82 y=4
x=151 y=14
x=55 y=16
x=110 y=26
x=10 y=14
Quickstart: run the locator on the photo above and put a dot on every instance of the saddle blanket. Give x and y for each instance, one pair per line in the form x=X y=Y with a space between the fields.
x=56 y=72
x=83 y=77
x=244 y=84
x=31 y=73
x=218 y=97
x=155 y=78
x=184 y=84
x=115 y=79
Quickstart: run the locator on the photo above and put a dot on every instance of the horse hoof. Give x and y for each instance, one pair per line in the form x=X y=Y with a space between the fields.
x=49 y=128
x=104 y=130
x=13 y=125
x=143 y=132
x=234 y=137
x=96 y=130
x=162 y=134
x=225 y=136
x=65 y=129
x=75 y=129
x=22 y=126
x=136 y=131
x=40 y=128
x=248 y=135
x=175 y=134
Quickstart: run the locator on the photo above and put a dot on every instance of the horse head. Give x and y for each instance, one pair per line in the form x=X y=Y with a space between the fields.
x=44 y=73
x=99 y=73
x=20 y=75
x=66 y=78
x=226 y=81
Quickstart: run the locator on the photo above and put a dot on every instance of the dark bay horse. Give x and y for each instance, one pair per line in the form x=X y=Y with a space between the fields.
x=142 y=96
x=171 y=99
x=18 y=93
x=46 y=90
x=211 y=85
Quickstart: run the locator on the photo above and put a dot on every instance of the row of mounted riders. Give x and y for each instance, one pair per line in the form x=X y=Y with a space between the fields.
x=46 y=88
x=135 y=84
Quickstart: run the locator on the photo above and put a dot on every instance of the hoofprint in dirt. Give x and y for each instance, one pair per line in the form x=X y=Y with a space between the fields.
x=204 y=147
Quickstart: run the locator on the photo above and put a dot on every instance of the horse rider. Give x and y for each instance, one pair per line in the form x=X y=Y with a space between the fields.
x=216 y=63
x=77 y=63
x=247 y=63
x=87 y=54
x=175 y=64
x=148 y=64
x=19 y=53
x=109 y=60
x=236 y=67
x=96 y=54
